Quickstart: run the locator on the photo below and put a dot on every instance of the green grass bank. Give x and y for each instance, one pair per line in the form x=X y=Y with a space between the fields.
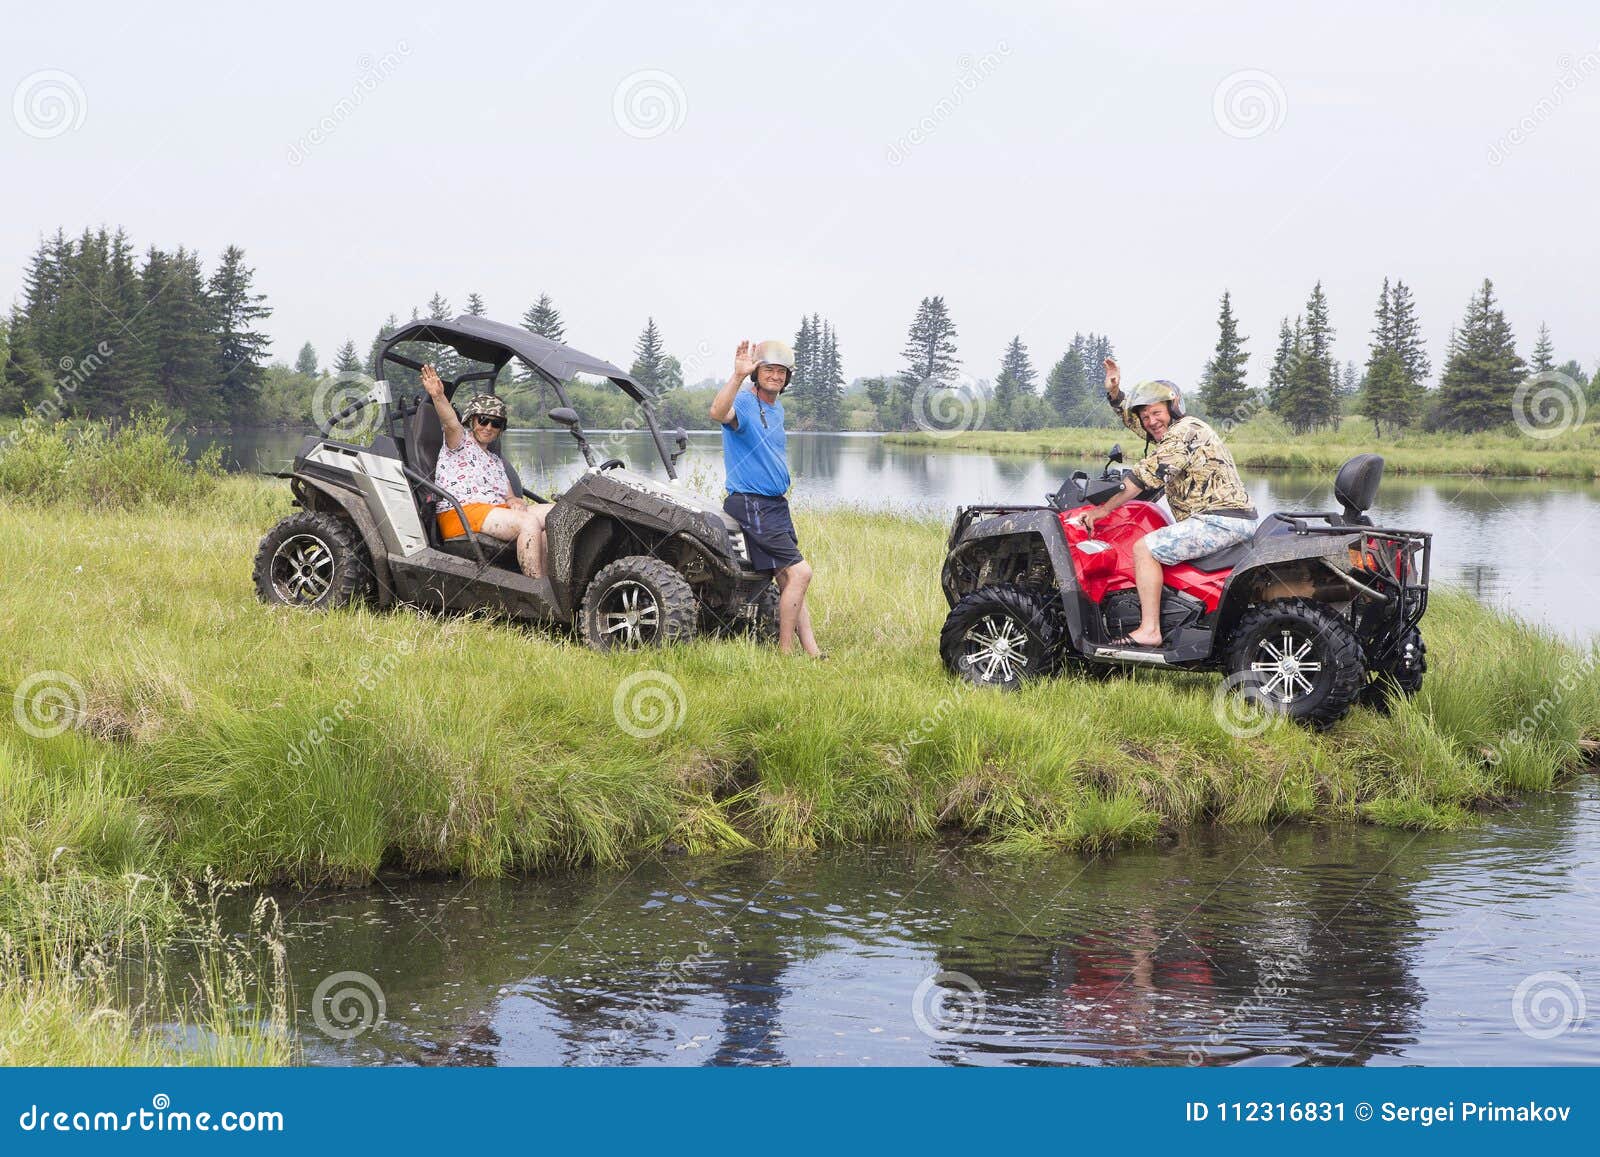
x=165 y=723
x=1265 y=444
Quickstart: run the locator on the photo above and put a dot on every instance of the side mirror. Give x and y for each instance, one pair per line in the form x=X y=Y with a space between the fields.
x=1115 y=455
x=681 y=437
x=565 y=415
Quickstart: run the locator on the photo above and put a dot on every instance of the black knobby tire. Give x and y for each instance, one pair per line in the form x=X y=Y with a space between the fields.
x=1386 y=686
x=761 y=626
x=313 y=560
x=1002 y=636
x=638 y=601
x=1309 y=634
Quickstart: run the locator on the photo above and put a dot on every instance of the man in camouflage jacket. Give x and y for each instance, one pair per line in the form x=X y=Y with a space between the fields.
x=1209 y=503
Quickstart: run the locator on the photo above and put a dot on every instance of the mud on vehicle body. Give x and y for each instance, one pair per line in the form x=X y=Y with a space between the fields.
x=1316 y=611
x=632 y=560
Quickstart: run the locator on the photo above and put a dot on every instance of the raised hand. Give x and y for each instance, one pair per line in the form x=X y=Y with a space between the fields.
x=1113 y=377
x=431 y=382
x=744 y=360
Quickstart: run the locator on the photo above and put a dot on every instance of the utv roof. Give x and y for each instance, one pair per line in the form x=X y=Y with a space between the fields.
x=496 y=342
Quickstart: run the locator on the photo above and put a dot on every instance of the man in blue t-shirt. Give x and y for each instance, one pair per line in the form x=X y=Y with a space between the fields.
x=756 y=460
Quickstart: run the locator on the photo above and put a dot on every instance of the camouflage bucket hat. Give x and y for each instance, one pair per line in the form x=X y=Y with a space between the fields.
x=485 y=406
x=1158 y=390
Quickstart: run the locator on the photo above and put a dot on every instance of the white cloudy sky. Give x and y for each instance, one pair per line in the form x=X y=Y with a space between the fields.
x=1083 y=181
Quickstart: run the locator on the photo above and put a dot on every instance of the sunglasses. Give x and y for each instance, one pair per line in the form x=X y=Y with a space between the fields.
x=492 y=423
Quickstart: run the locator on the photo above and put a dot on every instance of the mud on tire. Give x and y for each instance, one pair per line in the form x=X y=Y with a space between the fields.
x=1002 y=636
x=313 y=560
x=762 y=626
x=1299 y=658
x=638 y=601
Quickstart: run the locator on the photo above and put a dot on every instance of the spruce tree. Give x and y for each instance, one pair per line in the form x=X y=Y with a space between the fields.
x=1278 y=375
x=830 y=383
x=1013 y=385
x=241 y=349
x=475 y=305
x=930 y=350
x=544 y=319
x=347 y=361
x=1483 y=369
x=647 y=355
x=1065 y=388
x=801 y=378
x=306 y=361
x=1224 y=392
x=1544 y=352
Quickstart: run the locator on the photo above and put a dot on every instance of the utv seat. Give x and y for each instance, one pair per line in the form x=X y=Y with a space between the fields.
x=424 y=440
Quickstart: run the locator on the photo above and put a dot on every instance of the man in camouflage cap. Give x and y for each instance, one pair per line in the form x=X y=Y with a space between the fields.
x=1208 y=500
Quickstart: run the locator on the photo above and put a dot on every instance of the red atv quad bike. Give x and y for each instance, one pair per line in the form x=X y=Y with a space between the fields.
x=1316 y=611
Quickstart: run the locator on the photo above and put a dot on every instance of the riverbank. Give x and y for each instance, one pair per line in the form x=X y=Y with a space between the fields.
x=1264 y=444
x=196 y=728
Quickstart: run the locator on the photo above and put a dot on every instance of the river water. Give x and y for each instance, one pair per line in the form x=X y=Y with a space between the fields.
x=1300 y=945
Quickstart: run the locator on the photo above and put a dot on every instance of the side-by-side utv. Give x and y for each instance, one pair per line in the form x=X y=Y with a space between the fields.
x=632 y=560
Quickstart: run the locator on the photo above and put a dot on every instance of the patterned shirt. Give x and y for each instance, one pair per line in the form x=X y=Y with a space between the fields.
x=471 y=473
x=1194 y=466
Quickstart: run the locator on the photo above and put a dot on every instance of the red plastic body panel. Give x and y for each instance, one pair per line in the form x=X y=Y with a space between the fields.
x=1106 y=571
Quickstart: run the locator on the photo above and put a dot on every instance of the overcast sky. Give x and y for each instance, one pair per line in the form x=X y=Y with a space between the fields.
x=1045 y=167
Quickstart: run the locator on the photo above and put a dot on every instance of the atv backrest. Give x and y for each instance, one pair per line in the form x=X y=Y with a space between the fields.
x=1356 y=485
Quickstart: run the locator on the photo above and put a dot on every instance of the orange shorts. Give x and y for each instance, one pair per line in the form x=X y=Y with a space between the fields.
x=450 y=524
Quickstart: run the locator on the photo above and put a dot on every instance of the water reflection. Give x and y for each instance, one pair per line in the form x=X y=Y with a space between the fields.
x=1307 y=945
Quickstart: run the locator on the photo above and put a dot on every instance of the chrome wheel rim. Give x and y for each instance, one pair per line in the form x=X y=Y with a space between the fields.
x=302 y=569
x=1282 y=666
x=996 y=645
x=630 y=614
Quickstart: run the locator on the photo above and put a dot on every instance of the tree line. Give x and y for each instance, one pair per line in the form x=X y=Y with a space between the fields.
x=102 y=331
x=157 y=330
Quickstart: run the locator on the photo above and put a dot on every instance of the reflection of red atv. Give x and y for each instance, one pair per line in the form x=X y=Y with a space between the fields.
x=1316 y=611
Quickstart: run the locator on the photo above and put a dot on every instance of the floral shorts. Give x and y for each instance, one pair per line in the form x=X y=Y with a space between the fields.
x=1197 y=535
